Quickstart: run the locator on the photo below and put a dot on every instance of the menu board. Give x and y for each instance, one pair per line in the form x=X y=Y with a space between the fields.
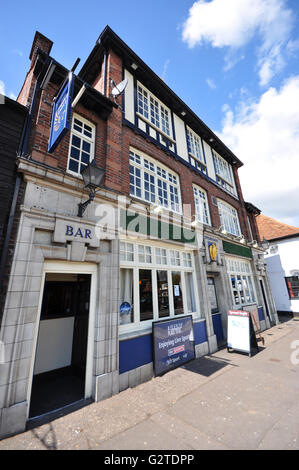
x=240 y=332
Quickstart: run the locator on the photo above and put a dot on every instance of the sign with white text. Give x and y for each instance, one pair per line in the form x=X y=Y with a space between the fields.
x=173 y=343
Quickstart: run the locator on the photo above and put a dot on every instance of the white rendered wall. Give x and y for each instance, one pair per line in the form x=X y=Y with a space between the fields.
x=280 y=264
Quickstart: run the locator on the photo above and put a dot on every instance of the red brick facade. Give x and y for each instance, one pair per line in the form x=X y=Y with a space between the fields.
x=113 y=140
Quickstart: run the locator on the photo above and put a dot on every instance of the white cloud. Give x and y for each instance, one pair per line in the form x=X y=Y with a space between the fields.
x=165 y=67
x=234 y=23
x=211 y=83
x=264 y=134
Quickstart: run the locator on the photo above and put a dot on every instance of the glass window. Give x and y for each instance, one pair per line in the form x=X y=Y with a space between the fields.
x=187 y=260
x=126 y=251
x=190 y=292
x=177 y=292
x=163 y=295
x=126 y=295
x=223 y=169
x=145 y=294
x=151 y=109
x=144 y=254
x=160 y=281
x=161 y=256
x=241 y=282
x=150 y=182
x=293 y=286
x=81 y=151
x=201 y=205
x=229 y=218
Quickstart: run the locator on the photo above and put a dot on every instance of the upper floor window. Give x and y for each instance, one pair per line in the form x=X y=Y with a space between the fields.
x=229 y=218
x=152 y=110
x=223 y=170
x=152 y=182
x=201 y=205
x=195 y=150
x=81 y=151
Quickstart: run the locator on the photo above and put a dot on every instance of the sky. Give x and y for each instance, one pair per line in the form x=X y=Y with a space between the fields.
x=233 y=62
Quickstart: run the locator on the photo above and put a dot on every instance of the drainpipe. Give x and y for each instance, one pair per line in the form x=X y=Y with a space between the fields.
x=105 y=73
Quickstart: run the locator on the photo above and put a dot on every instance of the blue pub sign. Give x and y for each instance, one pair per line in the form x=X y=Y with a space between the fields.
x=61 y=113
x=173 y=343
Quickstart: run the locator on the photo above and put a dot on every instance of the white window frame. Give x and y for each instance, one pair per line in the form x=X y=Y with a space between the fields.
x=224 y=173
x=240 y=268
x=153 y=178
x=195 y=149
x=82 y=137
x=153 y=111
x=202 y=210
x=184 y=265
x=229 y=218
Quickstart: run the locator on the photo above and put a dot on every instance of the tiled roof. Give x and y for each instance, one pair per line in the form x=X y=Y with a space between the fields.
x=271 y=229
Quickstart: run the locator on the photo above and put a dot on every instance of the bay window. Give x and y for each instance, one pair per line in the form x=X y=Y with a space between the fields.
x=241 y=282
x=156 y=282
x=229 y=218
x=151 y=182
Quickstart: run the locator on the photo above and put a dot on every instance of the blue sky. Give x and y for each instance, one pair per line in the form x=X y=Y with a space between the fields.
x=233 y=62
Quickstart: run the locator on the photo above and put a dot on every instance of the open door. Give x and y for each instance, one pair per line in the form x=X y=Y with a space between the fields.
x=60 y=363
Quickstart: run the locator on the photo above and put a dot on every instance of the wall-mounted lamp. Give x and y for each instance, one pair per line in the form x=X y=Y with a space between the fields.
x=156 y=208
x=194 y=221
x=92 y=177
x=242 y=239
x=265 y=244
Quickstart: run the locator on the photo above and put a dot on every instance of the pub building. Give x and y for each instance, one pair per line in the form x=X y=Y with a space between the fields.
x=132 y=215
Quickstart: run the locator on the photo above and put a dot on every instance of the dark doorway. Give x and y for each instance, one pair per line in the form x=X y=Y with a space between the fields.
x=60 y=362
x=265 y=302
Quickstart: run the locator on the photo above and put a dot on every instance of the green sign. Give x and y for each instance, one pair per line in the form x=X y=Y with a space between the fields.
x=233 y=249
x=156 y=228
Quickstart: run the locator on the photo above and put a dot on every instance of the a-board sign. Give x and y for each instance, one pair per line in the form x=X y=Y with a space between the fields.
x=253 y=310
x=61 y=113
x=240 y=332
x=173 y=343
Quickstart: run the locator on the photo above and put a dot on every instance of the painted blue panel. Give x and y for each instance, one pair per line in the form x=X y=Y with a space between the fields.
x=261 y=313
x=135 y=353
x=200 y=332
x=218 y=330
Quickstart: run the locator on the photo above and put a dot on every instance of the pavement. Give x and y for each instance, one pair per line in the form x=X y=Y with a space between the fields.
x=224 y=401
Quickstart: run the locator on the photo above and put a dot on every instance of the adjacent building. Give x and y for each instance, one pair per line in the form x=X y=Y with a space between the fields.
x=166 y=234
x=282 y=259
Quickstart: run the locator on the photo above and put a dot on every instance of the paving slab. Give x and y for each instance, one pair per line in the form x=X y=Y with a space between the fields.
x=222 y=401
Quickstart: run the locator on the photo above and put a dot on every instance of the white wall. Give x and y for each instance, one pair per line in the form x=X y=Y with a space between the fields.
x=282 y=259
x=55 y=341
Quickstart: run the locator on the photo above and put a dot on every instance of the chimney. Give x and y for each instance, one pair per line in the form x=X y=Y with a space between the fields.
x=40 y=42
